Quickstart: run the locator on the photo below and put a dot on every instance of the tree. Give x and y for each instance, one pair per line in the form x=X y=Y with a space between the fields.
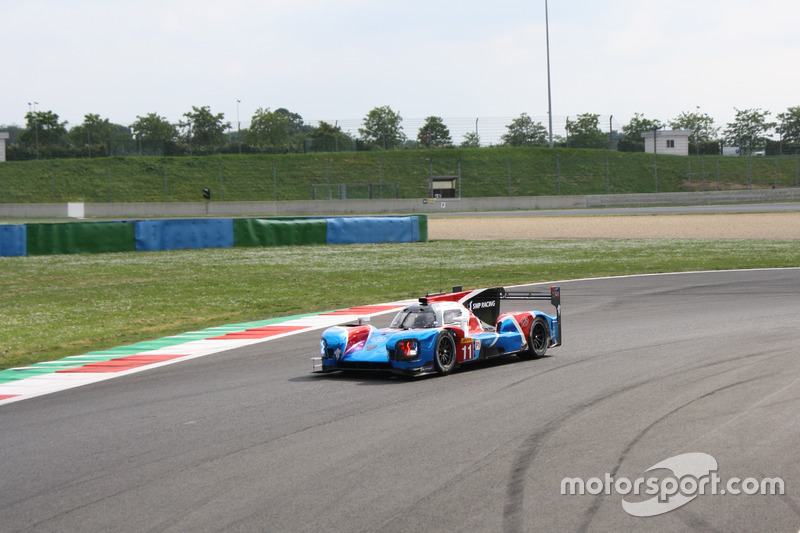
x=704 y=134
x=585 y=132
x=204 y=129
x=632 y=133
x=523 y=131
x=748 y=131
x=94 y=132
x=154 y=132
x=43 y=132
x=121 y=142
x=471 y=140
x=14 y=131
x=276 y=131
x=328 y=137
x=789 y=127
x=434 y=134
x=383 y=128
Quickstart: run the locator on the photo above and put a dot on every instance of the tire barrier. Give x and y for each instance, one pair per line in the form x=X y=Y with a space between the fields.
x=79 y=238
x=182 y=234
x=364 y=230
x=13 y=240
x=279 y=232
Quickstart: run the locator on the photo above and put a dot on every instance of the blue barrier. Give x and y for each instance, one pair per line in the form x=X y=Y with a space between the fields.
x=180 y=234
x=153 y=235
x=363 y=230
x=13 y=240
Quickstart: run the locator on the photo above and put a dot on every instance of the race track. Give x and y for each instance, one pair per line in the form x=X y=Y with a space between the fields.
x=652 y=367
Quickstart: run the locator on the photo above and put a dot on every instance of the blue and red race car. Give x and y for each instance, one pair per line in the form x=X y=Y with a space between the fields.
x=444 y=331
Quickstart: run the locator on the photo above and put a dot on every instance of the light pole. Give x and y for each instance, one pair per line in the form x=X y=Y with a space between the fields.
x=238 y=126
x=655 y=157
x=549 y=97
x=32 y=111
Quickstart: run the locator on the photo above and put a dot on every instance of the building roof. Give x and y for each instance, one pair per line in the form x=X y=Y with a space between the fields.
x=667 y=133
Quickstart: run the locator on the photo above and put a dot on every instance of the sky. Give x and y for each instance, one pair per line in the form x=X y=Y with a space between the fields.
x=476 y=64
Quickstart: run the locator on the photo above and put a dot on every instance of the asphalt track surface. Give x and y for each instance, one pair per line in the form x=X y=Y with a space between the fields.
x=249 y=440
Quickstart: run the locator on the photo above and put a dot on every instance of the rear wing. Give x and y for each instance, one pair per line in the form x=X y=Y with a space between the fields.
x=485 y=303
x=554 y=296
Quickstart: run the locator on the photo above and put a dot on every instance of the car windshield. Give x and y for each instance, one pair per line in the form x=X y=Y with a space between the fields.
x=414 y=318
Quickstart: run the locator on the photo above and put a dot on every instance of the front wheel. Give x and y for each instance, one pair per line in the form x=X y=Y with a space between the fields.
x=538 y=339
x=445 y=353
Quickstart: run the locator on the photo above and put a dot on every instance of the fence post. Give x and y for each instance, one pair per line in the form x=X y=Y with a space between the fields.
x=703 y=167
x=508 y=164
x=275 y=180
x=166 y=182
x=53 y=180
x=220 y=179
x=689 y=170
x=108 y=169
x=430 y=179
x=608 y=176
x=459 y=178
x=558 y=173
x=776 y=173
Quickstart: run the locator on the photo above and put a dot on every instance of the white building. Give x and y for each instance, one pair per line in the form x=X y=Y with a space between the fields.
x=3 y=136
x=673 y=142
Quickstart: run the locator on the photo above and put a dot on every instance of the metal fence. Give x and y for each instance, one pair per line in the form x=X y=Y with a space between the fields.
x=354 y=191
x=401 y=175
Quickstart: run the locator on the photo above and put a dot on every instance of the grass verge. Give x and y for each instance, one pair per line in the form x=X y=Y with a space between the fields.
x=54 y=306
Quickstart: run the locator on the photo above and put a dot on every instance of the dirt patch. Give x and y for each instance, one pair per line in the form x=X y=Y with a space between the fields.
x=712 y=226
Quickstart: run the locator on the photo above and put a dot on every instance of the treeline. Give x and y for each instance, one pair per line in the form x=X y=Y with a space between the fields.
x=202 y=132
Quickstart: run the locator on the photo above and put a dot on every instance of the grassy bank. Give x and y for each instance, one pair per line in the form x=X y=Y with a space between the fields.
x=499 y=171
x=54 y=306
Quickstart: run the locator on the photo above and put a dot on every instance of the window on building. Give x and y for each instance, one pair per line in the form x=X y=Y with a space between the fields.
x=670 y=143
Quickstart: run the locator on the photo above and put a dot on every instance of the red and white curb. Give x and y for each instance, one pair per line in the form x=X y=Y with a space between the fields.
x=79 y=370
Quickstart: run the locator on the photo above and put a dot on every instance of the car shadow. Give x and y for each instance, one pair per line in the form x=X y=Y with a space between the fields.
x=378 y=378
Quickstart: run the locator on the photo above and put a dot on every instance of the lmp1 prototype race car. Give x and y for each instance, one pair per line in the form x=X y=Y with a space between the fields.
x=444 y=331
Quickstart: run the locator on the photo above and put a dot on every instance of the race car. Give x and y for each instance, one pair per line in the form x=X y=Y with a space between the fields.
x=443 y=331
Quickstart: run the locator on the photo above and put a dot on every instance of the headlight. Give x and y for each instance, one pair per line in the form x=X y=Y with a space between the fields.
x=407 y=349
x=323 y=348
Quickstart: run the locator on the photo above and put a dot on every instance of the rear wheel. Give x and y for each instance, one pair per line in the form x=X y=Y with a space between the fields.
x=538 y=339
x=444 y=354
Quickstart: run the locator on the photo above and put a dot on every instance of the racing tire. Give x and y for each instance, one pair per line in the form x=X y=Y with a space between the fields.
x=444 y=353
x=538 y=339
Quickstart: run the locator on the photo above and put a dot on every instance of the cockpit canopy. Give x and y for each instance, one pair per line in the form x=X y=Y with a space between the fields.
x=431 y=316
x=414 y=317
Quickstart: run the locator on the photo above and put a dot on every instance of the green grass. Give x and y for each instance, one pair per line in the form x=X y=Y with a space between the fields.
x=54 y=306
x=486 y=172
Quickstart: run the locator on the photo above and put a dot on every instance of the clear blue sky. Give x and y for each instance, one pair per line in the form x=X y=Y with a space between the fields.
x=459 y=59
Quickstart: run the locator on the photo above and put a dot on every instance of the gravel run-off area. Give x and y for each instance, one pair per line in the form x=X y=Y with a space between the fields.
x=711 y=226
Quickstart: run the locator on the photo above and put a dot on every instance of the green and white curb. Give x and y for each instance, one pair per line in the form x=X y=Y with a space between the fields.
x=74 y=371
